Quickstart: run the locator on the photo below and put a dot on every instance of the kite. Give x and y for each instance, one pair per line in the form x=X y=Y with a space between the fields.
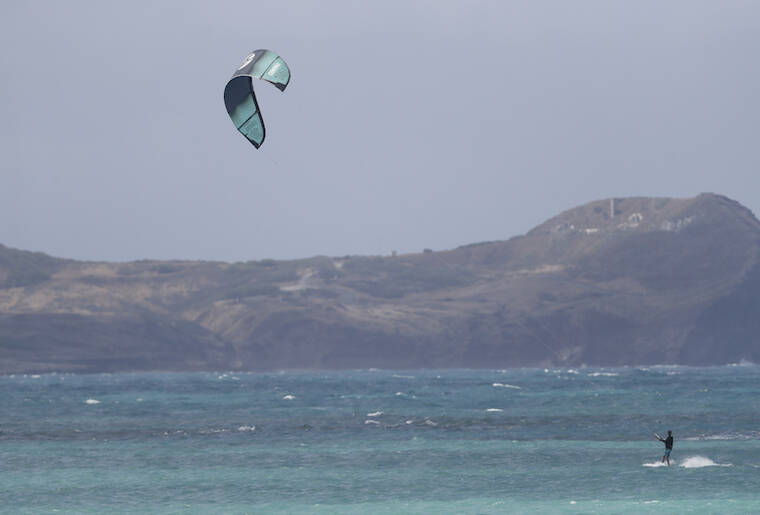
x=240 y=99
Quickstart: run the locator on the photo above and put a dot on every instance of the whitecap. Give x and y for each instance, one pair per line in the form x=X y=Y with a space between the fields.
x=246 y=428
x=375 y=414
x=494 y=410
x=505 y=385
x=725 y=436
x=410 y=421
x=657 y=464
x=400 y=394
x=742 y=363
x=430 y=422
x=372 y=422
x=92 y=401
x=603 y=374
x=399 y=376
x=289 y=397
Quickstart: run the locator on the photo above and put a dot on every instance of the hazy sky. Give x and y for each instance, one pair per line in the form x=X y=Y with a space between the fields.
x=406 y=124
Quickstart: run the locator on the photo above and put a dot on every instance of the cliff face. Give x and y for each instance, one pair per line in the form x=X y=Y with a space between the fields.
x=634 y=281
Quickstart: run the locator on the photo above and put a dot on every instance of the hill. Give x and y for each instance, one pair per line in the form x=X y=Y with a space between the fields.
x=614 y=282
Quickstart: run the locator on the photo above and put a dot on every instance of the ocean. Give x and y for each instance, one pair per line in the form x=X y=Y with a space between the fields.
x=551 y=440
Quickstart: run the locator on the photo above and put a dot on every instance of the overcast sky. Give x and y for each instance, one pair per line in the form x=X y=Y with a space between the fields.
x=406 y=124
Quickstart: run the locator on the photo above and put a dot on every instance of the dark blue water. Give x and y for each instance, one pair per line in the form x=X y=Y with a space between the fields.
x=448 y=441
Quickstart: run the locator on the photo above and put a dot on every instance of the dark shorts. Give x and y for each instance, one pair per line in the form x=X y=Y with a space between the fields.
x=667 y=453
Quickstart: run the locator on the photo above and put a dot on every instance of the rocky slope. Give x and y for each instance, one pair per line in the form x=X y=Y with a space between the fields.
x=623 y=282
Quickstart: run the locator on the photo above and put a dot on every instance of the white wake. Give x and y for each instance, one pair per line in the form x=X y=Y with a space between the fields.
x=692 y=462
x=696 y=462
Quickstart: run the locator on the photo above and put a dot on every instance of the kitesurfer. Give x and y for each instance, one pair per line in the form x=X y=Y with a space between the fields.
x=668 y=446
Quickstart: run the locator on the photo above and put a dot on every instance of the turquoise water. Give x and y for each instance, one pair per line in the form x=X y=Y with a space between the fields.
x=445 y=441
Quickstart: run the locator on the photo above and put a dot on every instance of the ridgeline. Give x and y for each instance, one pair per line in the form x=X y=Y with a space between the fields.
x=628 y=281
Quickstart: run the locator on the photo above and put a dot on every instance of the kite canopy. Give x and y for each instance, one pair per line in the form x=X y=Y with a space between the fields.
x=239 y=96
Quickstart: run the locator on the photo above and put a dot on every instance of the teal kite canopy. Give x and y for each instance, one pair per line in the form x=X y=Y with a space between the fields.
x=240 y=99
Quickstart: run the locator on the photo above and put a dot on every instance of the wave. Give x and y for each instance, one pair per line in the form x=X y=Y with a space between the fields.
x=743 y=363
x=375 y=414
x=246 y=428
x=505 y=385
x=753 y=435
x=494 y=410
x=289 y=397
x=212 y=431
x=92 y=401
x=667 y=370
x=603 y=374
